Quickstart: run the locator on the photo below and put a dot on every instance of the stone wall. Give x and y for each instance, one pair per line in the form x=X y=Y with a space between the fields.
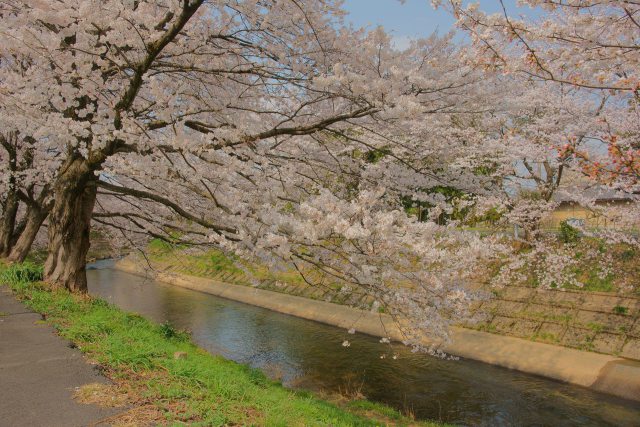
x=595 y=321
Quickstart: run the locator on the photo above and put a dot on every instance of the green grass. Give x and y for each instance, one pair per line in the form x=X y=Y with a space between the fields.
x=546 y=337
x=205 y=264
x=596 y=327
x=200 y=389
x=596 y=283
x=618 y=309
x=215 y=264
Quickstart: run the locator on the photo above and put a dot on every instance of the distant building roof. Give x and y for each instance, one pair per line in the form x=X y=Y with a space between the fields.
x=598 y=193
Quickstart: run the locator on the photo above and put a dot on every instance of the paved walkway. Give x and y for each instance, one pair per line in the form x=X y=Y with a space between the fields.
x=39 y=372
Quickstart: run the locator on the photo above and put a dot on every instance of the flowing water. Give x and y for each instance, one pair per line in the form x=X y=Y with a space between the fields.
x=307 y=354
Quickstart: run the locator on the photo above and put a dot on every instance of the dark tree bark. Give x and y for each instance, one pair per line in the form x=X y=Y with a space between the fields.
x=17 y=231
x=10 y=201
x=35 y=216
x=7 y=227
x=69 y=225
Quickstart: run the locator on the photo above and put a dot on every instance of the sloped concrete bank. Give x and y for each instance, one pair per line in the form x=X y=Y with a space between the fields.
x=605 y=373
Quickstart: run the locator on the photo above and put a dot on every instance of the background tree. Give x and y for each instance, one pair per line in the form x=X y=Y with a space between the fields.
x=9 y=201
x=585 y=49
x=26 y=197
x=584 y=57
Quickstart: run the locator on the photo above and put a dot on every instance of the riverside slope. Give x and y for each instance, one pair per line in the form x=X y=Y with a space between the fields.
x=604 y=373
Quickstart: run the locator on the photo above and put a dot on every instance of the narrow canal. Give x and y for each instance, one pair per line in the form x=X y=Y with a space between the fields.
x=306 y=354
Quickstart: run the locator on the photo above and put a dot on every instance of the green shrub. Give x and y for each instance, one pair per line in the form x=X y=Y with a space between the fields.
x=628 y=255
x=568 y=234
x=618 y=309
x=169 y=331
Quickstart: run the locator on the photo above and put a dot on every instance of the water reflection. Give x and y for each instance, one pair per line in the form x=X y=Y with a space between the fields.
x=307 y=354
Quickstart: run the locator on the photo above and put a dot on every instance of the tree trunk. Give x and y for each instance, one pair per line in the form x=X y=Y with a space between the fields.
x=69 y=226
x=10 y=203
x=8 y=224
x=35 y=217
x=17 y=231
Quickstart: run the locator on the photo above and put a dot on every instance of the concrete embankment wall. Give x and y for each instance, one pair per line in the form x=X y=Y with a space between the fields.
x=605 y=373
x=597 y=321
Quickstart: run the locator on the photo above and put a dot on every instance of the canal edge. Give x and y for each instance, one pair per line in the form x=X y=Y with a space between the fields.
x=604 y=373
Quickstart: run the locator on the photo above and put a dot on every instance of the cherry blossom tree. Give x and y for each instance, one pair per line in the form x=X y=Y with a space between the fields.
x=29 y=165
x=330 y=204
x=273 y=131
x=584 y=57
x=9 y=201
x=26 y=197
x=197 y=76
x=586 y=49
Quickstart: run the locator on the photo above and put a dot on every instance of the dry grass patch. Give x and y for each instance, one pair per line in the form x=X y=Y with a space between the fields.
x=139 y=416
x=104 y=395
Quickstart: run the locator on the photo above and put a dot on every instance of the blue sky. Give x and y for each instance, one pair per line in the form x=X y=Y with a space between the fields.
x=414 y=18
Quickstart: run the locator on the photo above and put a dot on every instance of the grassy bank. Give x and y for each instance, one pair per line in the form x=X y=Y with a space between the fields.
x=166 y=379
x=588 y=253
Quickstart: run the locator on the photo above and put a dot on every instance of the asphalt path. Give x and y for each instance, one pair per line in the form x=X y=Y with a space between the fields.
x=39 y=372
